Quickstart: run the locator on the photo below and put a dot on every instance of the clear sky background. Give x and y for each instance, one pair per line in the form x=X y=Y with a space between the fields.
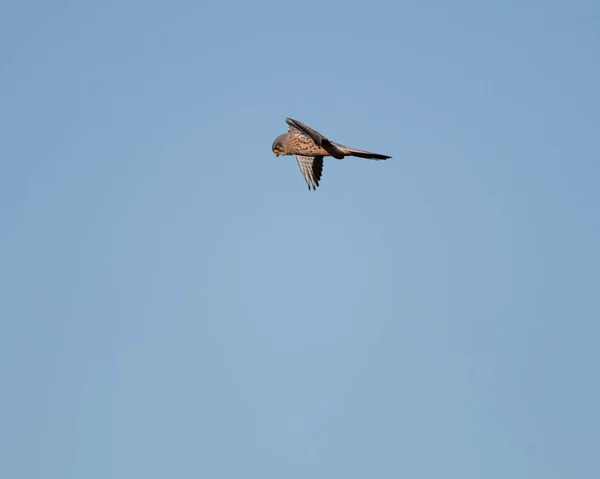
x=176 y=303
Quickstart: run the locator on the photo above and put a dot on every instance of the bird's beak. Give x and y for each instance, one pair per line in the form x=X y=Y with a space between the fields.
x=276 y=152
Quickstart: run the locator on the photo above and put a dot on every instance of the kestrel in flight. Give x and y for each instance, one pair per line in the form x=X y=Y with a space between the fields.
x=310 y=147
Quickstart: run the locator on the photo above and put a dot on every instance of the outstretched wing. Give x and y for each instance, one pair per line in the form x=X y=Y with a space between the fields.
x=314 y=135
x=311 y=168
x=297 y=127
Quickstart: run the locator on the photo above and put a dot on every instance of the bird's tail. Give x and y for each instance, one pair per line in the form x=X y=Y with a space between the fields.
x=361 y=153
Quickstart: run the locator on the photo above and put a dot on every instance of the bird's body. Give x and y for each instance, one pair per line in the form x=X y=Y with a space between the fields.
x=310 y=147
x=300 y=145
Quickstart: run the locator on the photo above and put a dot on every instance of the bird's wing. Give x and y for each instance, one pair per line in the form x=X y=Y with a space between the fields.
x=314 y=135
x=311 y=168
x=296 y=127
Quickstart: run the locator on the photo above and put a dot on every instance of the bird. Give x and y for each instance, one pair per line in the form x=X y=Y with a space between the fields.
x=310 y=147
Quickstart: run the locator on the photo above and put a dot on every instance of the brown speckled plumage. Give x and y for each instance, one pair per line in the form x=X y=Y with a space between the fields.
x=310 y=147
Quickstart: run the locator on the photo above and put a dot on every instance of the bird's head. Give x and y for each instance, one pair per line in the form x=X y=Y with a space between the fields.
x=279 y=145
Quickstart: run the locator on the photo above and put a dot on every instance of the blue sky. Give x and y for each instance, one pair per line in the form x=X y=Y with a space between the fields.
x=175 y=303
